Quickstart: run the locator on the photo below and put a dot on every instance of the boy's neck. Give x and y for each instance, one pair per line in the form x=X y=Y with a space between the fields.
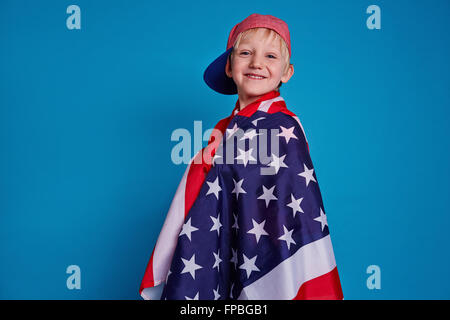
x=244 y=101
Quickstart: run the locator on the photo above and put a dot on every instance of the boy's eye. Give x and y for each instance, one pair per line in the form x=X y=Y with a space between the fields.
x=271 y=56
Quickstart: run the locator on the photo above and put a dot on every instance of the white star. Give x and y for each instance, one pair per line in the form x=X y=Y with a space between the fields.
x=216 y=156
x=188 y=229
x=218 y=260
x=287 y=134
x=235 y=225
x=256 y=120
x=250 y=134
x=238 y=188
x=267 y=195
x=218 y=153
x=168 y=274
x=216 y=293
x=307 y=174
x=322 y=219
x=258 y=229
x=234 y=258
x=295 y=205
x=216 y=224
x=232 y=131
x=277 y=162
x=287 y=236
x=190 y=266
x=214 y=187
x=194 y=298
x=245 y=156
x=249 y=265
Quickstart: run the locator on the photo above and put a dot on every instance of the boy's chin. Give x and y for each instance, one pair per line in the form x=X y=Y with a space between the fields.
x=254 y=92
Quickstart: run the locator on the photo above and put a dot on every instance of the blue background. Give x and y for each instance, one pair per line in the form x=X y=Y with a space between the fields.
x=86 y=119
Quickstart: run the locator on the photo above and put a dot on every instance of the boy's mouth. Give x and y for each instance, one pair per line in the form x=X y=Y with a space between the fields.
x=254 y=76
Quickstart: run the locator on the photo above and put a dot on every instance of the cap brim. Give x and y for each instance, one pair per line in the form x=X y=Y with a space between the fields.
x=216 y=78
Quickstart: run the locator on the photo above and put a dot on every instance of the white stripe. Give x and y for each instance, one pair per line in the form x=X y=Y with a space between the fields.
x=152 y=293
x=282 y=283
x=265 y=105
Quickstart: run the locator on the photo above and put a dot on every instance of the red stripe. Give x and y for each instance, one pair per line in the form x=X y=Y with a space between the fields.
x=325 y=287
x=148 y=280
x=286 y=111
x=278 y=106
x=194 y=181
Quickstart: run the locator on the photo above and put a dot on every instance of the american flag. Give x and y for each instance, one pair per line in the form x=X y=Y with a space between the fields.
x=235 y=233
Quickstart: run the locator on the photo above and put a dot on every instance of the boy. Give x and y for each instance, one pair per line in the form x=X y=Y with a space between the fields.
x=253 y=227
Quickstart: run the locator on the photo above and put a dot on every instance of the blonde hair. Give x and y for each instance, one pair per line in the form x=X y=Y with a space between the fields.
x=268 y=34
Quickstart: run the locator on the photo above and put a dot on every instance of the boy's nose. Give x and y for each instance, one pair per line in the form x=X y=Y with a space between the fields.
x=256 y=62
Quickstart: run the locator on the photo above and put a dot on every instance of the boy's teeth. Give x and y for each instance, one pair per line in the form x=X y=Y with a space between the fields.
x=256 y=77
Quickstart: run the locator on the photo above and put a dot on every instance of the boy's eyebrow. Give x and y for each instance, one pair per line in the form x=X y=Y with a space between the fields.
x=273 y=49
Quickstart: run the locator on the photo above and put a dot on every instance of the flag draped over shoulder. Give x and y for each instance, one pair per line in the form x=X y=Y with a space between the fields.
x=251 y=224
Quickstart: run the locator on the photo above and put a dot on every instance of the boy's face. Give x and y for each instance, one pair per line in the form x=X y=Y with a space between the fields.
x=257 y=55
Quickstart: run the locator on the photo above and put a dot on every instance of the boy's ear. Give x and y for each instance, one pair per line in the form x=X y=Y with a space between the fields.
x=288 y=74
x=228 y=68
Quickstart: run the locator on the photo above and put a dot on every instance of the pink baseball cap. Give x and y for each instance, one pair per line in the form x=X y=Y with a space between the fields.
x=215 y=76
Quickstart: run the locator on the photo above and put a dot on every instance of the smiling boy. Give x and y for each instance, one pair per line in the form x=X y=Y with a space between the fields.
x=258 y=63
x=232 y=231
